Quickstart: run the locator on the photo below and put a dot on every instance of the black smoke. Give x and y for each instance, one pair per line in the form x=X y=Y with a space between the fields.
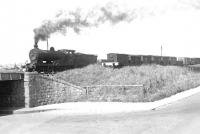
x=60 y=25
x=112 y=14
x=76 y=21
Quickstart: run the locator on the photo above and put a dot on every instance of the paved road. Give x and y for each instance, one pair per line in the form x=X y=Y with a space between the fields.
x=181 y=117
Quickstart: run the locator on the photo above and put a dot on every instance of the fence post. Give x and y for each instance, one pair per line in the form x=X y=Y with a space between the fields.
x=86 y=92
x=124 y=90
x=144 y=89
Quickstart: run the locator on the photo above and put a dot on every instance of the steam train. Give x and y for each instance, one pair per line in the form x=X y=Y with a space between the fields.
x=53 y=61
x=119 y=60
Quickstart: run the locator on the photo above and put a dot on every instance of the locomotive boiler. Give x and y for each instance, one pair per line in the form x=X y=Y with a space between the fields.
x=53 y=61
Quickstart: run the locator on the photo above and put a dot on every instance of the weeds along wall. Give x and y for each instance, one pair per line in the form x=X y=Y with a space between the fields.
x=42 y=90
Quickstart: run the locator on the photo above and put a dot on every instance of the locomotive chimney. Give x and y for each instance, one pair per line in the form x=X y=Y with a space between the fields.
x=36 y=44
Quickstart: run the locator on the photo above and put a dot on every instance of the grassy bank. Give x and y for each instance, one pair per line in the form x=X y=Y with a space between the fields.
x=158 y=81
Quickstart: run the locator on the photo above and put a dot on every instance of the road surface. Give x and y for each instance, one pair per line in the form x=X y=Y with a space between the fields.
x=181 y=117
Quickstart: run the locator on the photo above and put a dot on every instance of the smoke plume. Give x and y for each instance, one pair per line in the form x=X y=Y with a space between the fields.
x=76 y=21
x=59 y=25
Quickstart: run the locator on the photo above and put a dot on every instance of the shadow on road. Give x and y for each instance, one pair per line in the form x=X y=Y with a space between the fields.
x=8 y=110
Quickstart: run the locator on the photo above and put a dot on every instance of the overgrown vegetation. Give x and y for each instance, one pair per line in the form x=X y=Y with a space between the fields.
x=158 y=81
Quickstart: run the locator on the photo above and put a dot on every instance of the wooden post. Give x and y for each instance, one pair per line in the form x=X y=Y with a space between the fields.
x=86 y=92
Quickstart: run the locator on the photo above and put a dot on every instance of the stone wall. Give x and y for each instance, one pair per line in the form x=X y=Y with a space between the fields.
x=12 y=93
x=42 y=90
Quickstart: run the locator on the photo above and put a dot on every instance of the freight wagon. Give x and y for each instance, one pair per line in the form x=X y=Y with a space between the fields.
x=122 y=59
x=115 y=59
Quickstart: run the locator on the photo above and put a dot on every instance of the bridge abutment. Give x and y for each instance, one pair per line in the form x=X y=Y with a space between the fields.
x=33 y=89
x=11 y=89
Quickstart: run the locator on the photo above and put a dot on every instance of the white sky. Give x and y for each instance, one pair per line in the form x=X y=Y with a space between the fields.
x=174 y=24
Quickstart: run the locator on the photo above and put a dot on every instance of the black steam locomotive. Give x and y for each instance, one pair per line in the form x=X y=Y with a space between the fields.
x=53 y=61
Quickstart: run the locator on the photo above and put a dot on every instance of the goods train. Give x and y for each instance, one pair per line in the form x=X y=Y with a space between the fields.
x=53 y=61
x=119 y=60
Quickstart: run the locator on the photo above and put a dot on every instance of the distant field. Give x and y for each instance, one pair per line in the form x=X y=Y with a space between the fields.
x=158 y=81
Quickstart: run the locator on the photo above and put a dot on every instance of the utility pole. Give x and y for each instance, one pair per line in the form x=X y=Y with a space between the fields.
x=47 y=44
x=161 y=56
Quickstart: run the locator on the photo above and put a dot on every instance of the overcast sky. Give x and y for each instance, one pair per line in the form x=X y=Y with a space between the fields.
x=174 y=24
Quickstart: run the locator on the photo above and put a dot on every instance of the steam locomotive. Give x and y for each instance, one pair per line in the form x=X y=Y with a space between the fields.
x=53 y=61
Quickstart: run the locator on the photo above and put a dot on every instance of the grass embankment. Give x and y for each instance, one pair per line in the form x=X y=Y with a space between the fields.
x=158 y=81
